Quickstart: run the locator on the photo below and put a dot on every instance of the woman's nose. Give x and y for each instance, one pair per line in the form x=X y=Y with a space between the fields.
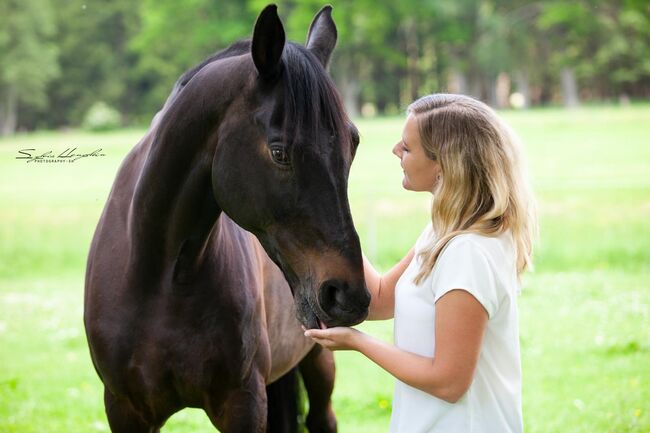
x=396 y=151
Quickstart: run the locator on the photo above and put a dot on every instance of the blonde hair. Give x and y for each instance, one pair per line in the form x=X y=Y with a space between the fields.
x=484 y=187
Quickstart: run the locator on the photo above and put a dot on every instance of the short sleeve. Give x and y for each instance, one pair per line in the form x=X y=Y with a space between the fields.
x=463 y=264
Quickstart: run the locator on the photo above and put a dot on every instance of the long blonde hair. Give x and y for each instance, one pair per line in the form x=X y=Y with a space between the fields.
x=484 y=187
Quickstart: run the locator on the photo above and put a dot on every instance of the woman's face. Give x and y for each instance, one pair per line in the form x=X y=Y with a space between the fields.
x=420 y=172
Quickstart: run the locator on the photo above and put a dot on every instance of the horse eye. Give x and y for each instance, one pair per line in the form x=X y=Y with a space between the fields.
x=280 y=155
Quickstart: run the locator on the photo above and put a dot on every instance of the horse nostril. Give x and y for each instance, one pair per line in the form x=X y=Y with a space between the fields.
x=332 y=294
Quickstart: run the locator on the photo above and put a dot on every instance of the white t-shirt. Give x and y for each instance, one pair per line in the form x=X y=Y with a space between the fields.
x=485 y=267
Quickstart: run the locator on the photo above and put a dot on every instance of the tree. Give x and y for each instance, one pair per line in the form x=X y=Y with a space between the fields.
x=177 y=35
x=95 y=63
x=56 y=63
x=28 y=57
x=621 y=65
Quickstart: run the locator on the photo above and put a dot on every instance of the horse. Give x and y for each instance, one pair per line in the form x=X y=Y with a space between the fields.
x=227 y=228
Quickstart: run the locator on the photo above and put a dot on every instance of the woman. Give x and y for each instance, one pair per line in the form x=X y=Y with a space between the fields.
x=456 y=354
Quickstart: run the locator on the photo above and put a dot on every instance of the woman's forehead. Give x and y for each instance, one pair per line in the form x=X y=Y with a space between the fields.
x=411 y=131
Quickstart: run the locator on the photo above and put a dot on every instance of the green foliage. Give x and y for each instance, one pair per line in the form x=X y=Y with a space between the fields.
x=28 y=57
x=625 y=54
x=56 y=62
x=95 y=61
x=175 y=36
x=585 y=311
x=607 y=42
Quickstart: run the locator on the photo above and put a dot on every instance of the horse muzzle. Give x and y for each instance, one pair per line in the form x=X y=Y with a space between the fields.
x=342 y=304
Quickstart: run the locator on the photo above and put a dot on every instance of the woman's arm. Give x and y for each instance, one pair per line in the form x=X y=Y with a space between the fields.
x=382 y=287
x=460 y=325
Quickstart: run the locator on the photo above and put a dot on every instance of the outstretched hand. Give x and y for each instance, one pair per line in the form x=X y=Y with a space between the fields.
x=339 y=338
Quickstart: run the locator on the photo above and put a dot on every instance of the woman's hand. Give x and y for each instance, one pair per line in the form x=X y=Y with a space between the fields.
x=340 y=338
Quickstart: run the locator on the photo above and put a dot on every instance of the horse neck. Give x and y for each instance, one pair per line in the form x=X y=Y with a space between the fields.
x=173 y=209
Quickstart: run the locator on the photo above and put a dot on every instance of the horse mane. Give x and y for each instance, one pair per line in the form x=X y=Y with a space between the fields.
x=311 y=100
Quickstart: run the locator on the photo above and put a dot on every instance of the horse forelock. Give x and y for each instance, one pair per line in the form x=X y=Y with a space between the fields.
x=311 y=102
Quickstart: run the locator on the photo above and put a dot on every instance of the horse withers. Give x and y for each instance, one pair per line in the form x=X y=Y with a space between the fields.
x=227 y=227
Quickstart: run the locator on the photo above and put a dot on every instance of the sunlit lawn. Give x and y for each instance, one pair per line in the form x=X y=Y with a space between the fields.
x=585 y=312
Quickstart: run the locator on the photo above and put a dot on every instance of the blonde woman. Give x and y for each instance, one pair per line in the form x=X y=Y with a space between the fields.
x=456 y=354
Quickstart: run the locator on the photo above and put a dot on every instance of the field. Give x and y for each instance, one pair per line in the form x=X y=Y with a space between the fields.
x=585 y=311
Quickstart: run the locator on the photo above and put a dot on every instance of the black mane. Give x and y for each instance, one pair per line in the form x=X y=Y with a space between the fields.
x=311 y=100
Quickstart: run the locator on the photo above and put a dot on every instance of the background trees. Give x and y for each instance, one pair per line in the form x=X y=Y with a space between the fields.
x=28 y=58
x=56 y=62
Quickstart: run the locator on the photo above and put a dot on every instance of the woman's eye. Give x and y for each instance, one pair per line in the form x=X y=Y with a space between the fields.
x=280 y=155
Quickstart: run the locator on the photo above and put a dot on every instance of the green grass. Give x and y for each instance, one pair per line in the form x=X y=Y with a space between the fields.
x=585 y=312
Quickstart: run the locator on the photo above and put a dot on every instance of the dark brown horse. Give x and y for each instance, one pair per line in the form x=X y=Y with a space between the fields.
x=228 y=226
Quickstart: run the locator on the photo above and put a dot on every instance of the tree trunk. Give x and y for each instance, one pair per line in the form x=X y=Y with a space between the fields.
x=569 y=87
x=8 y=115
x=523 y=87
x=457 y=82
x=348 y=86
x=412 y=59
x=502 y=90
x=379 y=77
x=475 y=86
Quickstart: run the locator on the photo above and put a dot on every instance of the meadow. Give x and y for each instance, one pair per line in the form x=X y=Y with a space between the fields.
x=584 y=312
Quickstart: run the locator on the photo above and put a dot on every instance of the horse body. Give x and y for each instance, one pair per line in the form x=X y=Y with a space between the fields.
x=183 y=306
x=157 y=349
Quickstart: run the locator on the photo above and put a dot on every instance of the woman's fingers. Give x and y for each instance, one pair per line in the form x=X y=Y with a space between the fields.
x=340 y=338
x=322 y=337
x=317 y=333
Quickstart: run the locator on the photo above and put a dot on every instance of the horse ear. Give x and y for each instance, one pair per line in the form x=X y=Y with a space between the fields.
x=268 y=42
x=322 y=35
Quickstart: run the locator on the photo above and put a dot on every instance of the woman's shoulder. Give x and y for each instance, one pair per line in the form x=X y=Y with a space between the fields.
x=478 y=263
x=498 y=248
x=475 y=238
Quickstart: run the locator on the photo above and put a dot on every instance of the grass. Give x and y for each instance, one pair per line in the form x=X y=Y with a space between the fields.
x=585 y=312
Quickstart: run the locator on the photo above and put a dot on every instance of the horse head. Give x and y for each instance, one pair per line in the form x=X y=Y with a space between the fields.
x=281 y=166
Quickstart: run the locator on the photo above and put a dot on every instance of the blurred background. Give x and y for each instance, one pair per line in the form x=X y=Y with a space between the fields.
x=63 y=62
x=571 y=78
